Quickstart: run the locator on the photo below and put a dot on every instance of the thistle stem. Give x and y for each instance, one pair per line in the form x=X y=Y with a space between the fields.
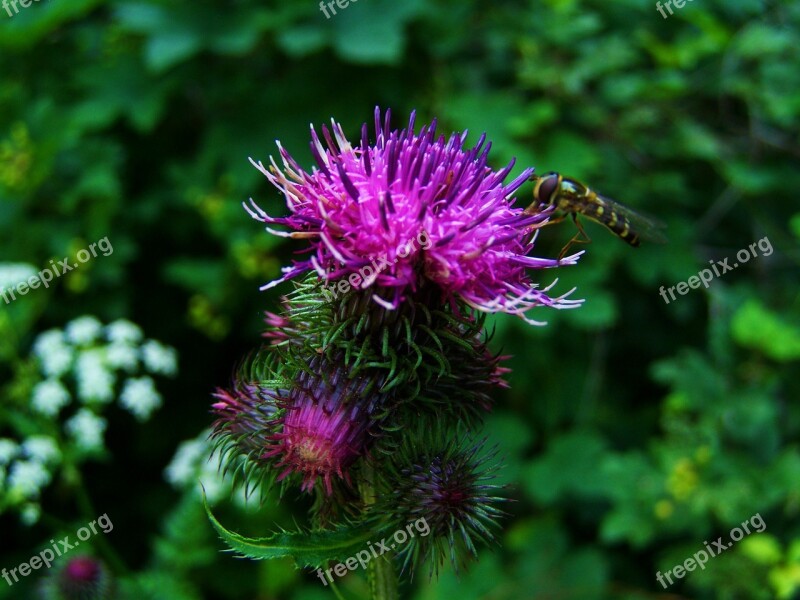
x=383 y=579
x=381 y=573
x=336 y=591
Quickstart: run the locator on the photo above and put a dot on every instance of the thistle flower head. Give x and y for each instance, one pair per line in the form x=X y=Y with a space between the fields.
x=80 y=578
x=409 y=207
x=447 y=480
x=245 y=418
x=325 y=425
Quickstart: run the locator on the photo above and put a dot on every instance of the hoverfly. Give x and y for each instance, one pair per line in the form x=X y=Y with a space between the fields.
x=573 y=198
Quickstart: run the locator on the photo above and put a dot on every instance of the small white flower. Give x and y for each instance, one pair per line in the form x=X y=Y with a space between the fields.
x=49 y=397
x=41 y=448
x=140 y=397
x=54 y=354
x=84 y=330
x=183 y=468
x=56 y=363
x=27 y=477
x=13 y=273
x=95 y=381
x=159 y=358
x=211 y=476
x=122 y=331
x=87 y=429
x=48 y=341
x=90 y=360
x=193 y=462
x=8 y=450
x=214 y=486
x=122 y=356
x=30 y=515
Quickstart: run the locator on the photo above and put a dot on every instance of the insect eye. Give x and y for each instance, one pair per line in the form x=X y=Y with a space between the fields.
x=547 y=187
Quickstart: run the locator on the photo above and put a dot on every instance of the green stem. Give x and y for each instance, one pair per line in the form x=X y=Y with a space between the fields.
x=381 y=573
x=383 y=579
x=336 y=591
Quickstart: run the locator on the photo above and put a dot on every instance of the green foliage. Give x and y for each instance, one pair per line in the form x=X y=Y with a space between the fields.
x=757 y=328
x=308 y=548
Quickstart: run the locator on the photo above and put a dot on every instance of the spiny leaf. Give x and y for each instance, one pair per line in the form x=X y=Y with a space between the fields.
x=309 y=548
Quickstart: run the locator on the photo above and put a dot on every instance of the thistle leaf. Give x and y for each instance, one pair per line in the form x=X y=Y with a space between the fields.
x=308 y=548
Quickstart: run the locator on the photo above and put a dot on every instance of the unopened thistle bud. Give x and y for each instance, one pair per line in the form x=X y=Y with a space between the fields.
x=447 y=480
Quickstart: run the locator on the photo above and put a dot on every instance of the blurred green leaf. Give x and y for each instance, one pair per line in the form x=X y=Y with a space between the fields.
x=756 y=327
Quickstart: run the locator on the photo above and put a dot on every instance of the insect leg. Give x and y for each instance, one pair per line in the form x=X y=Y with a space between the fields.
x=579 y=238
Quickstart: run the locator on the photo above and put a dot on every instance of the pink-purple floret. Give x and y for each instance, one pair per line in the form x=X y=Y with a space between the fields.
x=372 y=201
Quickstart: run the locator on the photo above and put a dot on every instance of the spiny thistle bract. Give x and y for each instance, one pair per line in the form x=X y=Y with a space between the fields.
x=376 y=373
x=447 y=480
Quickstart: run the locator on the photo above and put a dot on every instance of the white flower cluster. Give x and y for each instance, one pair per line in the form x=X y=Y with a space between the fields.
x=90 y=365
x=194 y=463
x=25 y=469
x=98 y=358
x=12 y=273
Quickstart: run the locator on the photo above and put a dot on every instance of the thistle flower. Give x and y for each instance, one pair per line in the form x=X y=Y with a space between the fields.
x=80 y=578
x=325 y=425
x=278 y=329
x=412 y=207
x=364 y=386
x=447 y=480
x=246 y=419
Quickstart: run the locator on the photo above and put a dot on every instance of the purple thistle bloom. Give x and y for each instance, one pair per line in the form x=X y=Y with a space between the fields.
x=412 y=207
x=277 y=328
x=81 y=578
x=325 y=425
x=245 y=416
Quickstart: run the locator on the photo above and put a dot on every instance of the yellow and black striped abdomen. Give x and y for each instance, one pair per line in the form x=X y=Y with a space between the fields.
x=607 y=214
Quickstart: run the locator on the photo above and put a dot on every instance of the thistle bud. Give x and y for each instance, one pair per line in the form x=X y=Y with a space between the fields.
x=447 y=481
x=325 y=424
